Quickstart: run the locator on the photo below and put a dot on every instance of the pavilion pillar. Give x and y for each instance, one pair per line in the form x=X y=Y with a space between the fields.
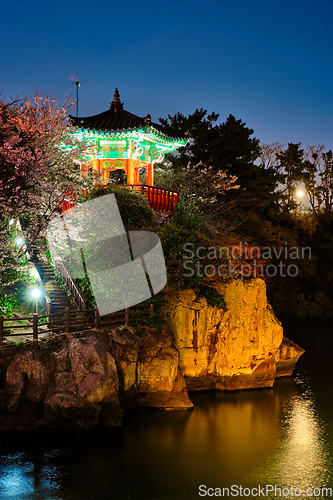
x=150 y=174
x=130 y=171
x=97 y=165
x=136 y=176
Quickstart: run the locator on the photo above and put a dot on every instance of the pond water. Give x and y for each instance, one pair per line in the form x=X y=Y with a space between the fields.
x=273 y=438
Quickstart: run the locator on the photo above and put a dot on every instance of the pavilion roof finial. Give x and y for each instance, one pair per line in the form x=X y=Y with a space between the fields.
x=116 y=100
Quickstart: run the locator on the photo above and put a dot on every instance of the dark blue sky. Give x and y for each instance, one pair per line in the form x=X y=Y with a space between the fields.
x=268 y=62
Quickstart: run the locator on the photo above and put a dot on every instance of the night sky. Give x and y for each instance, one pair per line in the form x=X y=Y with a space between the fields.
x=268 y=62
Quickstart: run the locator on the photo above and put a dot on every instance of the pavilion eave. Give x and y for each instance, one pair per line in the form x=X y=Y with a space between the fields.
x=149 y=133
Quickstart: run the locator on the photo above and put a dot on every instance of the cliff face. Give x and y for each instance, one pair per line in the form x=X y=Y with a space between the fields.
x=233 y=349
x=75 y=383
x=89 y=379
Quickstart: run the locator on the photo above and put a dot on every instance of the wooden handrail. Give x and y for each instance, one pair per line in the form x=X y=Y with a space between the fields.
x=71 y=286
x=159 y=199
x=67 y=322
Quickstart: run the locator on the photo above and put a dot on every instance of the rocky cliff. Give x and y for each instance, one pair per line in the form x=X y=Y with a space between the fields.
x=241 y=347
x=89 y=379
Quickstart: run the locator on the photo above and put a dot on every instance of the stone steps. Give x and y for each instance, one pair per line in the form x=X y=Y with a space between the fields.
x=56 y=292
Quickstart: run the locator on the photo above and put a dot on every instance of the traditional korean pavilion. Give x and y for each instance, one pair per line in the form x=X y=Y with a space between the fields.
x=120 y=139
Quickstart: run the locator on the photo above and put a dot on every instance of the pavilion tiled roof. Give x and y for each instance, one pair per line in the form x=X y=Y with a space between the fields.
x=118 y=119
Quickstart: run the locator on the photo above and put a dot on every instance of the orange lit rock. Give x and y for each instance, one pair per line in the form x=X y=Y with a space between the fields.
x=286 y=356
x=148 y=368
x=160 y=382
x=228 y=349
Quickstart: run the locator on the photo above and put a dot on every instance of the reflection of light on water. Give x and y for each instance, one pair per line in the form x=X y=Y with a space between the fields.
x=15 y=481
x=20 y=481
x=301 y=459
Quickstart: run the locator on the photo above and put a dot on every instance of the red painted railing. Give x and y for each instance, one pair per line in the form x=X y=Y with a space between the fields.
x=160 y=200
x=65 y=205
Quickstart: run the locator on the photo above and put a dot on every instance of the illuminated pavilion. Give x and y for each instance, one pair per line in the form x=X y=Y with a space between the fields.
x=121 y=140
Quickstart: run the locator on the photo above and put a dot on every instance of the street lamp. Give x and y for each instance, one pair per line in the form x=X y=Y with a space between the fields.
x=78 y=84
x=35 y=294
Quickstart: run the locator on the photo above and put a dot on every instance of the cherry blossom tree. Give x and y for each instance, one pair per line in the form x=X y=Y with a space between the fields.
x=38 y=158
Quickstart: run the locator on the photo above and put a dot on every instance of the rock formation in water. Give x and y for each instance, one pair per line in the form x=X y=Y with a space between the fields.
x=241 y=347
x=89 y=379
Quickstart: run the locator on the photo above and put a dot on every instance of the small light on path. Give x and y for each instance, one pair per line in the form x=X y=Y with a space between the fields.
x=35 y=293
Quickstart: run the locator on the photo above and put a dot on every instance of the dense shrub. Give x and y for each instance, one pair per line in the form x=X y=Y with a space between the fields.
x=8 y=303
x=134 y=208
x=176 y=258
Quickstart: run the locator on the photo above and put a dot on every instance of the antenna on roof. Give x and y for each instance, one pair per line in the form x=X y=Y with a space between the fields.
x=78 y=84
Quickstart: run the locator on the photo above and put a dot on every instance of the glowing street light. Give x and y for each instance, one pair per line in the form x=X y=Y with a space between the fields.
x=35 y=294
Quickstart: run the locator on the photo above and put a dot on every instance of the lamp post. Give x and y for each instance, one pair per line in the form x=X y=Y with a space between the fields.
x=35 y=294
x=78 y=84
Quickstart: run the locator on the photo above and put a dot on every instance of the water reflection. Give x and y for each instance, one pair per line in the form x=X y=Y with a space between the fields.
x=301 y=458
x=25 y=476
x=167 y=455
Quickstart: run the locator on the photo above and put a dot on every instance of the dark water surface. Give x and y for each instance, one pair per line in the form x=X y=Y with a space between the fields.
x=280 y=437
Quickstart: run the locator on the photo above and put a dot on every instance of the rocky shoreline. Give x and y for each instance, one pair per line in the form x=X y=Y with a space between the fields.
x=88 y=380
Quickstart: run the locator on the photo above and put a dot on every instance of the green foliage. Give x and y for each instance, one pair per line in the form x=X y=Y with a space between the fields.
x=20 y=345
x=136 y=214
x=13 y=261
x=228 y=147
x=173 y=241
x=186 y=216
x=85 y=287
x=48 y=255
x=156 y=320
x=8 y=303
x=134 y=208
x=212 y=296
x=291 y=161
x=326 y=177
